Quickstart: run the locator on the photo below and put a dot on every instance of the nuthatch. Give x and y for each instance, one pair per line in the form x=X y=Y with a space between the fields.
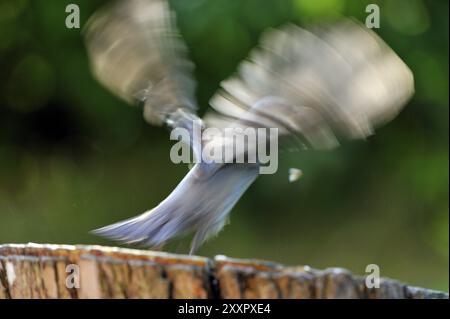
x=315 y=86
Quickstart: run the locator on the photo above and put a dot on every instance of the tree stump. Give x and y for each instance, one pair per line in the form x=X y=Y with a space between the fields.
x=65 y=271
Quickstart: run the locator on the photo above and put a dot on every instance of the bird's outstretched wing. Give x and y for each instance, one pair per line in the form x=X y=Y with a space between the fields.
x=136 y=51
x=337 y=80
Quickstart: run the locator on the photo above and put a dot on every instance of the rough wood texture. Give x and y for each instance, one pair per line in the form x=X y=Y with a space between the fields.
x=44 y=271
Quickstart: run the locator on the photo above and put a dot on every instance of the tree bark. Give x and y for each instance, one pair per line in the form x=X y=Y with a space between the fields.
x=64 y=271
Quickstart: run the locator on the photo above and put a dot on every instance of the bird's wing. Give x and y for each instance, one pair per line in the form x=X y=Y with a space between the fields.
x=136 y=51
x=338 y=80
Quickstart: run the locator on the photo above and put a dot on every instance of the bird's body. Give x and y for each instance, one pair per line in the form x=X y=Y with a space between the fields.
x=200 y=203
x=315 y=87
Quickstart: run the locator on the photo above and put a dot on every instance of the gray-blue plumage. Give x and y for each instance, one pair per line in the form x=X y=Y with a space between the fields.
x=200 y=203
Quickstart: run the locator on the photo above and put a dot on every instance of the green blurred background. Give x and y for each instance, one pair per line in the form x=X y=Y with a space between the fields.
x=73 y=157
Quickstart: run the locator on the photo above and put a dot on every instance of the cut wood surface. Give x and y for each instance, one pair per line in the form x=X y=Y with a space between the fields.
x=65 y=271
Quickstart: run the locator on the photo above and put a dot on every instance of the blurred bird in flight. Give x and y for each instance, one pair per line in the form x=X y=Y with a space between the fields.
x=318 y=86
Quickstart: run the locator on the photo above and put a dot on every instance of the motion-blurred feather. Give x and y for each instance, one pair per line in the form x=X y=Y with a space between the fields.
x=137 y=52
x=347 y=77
